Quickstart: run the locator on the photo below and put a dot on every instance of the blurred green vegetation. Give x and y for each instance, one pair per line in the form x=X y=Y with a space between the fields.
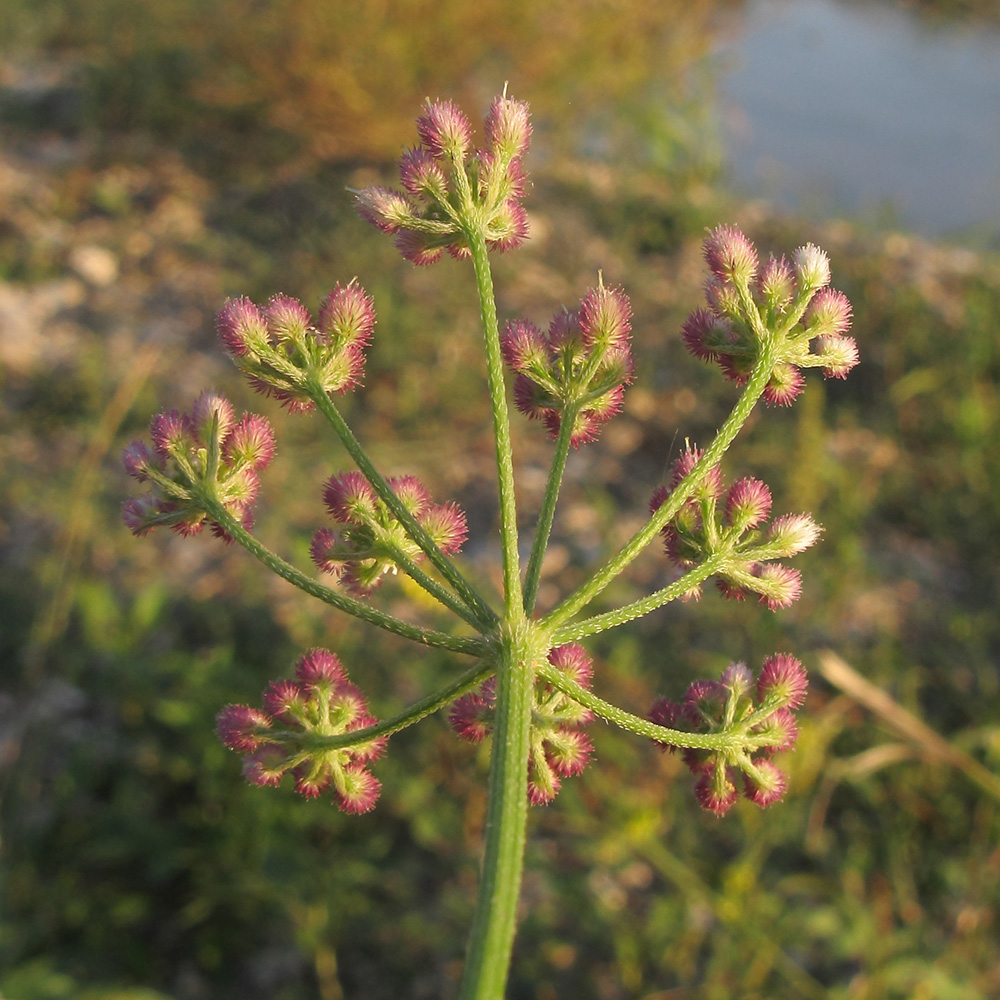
x=159 y=156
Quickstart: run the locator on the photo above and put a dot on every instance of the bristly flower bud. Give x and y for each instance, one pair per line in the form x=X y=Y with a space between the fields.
x=747 y=503
x=206 y=451
x=729 y=254
x=787 y=307
x=580 y=367
x=292 y=356
x=372 y=542
x=444 y=130
x=508 y=129
x=757 y=721
x=319 y=702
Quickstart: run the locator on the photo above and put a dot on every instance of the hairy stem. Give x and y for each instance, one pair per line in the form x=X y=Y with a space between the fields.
x=491 y=940
x=513 y=601
x=484 y=614
x=713 y=454
x=424 y=636
x=548 y=510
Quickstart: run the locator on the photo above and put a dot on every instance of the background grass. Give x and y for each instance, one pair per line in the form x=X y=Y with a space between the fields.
x=159 y=156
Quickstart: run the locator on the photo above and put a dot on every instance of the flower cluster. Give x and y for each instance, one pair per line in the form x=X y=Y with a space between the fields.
x=275 y=740
x=446 y=179
x=558 y=747
x=371 y=541
x=714 y=520
x=285 y=355
x=204 y=454
x=789 y=302
x=759 y=718
x=578 y=369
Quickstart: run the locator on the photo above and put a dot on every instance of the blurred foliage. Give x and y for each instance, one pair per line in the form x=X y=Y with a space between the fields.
x=279 y=82
x=138 y=866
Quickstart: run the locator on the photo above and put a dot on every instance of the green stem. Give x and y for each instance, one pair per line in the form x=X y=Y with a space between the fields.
x=485 y=615
x=427 y=705
x=634 y=723
x=432 y=587
x=424 y=636
x=494 y=924
x=629 y=612
x=548 y=510
x=723 y=439
x=513 y=601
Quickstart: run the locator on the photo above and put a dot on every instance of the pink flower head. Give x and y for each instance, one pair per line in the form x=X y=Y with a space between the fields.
x=422 y=176
x=172 y=433
x=349 y=498
x=829 y=311
x=765 y=784
x=212 y=410
x=568 y=752
x=138 y=461
x=543 y=782
x=418 y=248
x=241 y=327
x=508 y=129
x=729 y=254
x=574 y=661
x=347 y=315
x=786 y=385
x=778 y=732
x=748 y=503
x=320 y=669
x=666 y=713
x=737 y=680
x=266 y=766
x=357 y=791
x=523 y=346
x=412 y=494
x=446 y=525
x=285 y=700
x=711 y=486
x=783 y=679
x=605 y=319
x=444 y=130
x=471 y=717
x=287 y=318
x=715 y=791
x=707 y=336
x=251 y=443
x=776 y=283
x=239 y=727
x=508 y=227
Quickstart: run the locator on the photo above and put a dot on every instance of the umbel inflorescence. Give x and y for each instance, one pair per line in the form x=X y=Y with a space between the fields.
x=763 y=324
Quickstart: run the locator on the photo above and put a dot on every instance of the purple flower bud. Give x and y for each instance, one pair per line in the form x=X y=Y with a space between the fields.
x=523 y=346
x=722 y=297
x=574 y=661
x=319 y=668
x=471 y=716
x=776 y=283
x=568 y=752
x=172 y=432
x=666 y=713
x=765 y=784
x=748 y=503
x=508 y=130
x=715 y=791
x=446 y=525
x=141 y=514
x=411 y=492
x=324 y=543
x=239 y=727
x=729 y=254
x=138 y=461
x=347 y=315
x=778 y=732
x=421 y=175
x=417 y=248
x=543 y=782
x=350 y=498
x=508 y=228
x=605 y=319
x=241 y=327
x=782 y=677
x=786 y=385
x=829 y=311
x=210 y=408
x=358 y=791
x=287 y=318
x=265 y=767
x=737 y=679
x=444 y=130
x=284 y=701
x=707 y=336
x=251 y=443
x=711 y=486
